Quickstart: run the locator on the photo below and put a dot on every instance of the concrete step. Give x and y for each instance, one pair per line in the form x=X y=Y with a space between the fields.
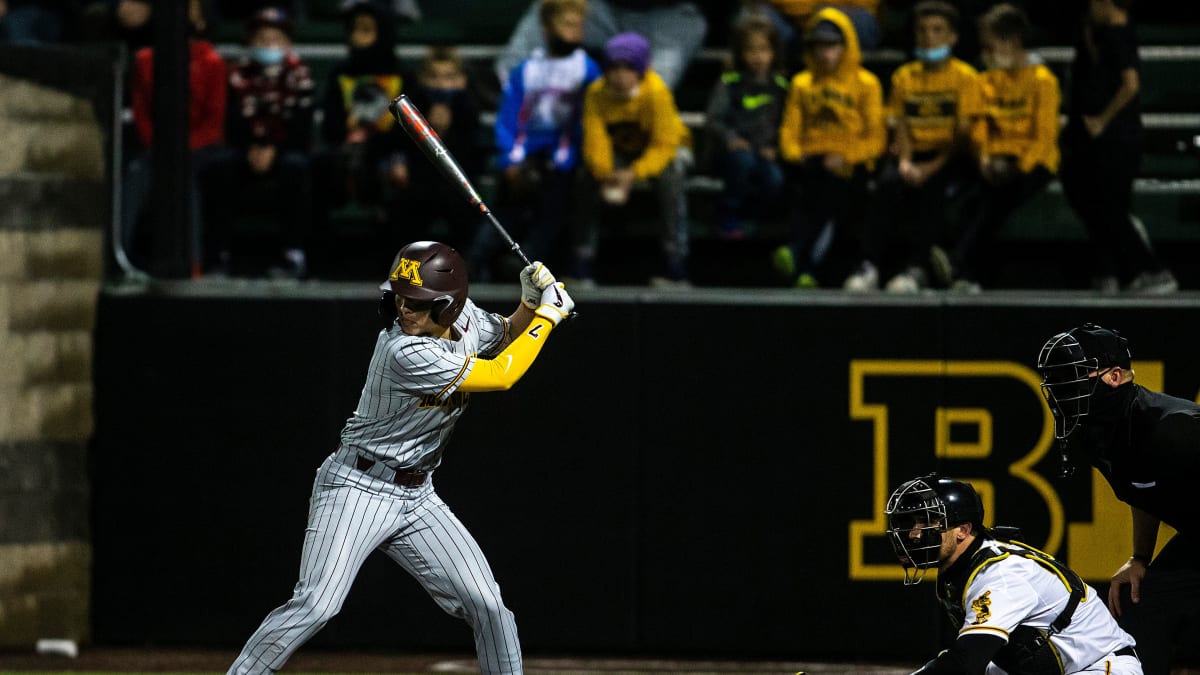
x=29 y=255
x=48 y=305
x=43 y=202
x=49 y=412
x=45 y=357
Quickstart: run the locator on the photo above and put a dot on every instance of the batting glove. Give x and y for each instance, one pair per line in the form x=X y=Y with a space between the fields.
x=535 y=278
x=555 y=305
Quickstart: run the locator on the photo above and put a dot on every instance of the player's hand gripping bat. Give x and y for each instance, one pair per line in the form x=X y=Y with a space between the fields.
x=418 y=129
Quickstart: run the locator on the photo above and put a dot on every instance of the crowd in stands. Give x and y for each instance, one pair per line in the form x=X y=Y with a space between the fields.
x=915 y=176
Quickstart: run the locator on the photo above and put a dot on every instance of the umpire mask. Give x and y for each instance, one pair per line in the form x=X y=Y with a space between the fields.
x=1070 y=363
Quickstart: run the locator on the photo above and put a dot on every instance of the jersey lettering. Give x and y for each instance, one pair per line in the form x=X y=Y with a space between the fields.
x=456 y=400
x=408 y=269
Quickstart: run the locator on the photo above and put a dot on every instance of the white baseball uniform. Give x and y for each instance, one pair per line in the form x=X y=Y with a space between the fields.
x=1014 y=590
x=375 y=492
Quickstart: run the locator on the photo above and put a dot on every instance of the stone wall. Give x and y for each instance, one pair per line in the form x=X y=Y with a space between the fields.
x=52 y=229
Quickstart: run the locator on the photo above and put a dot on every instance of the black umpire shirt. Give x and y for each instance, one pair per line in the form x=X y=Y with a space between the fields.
x=1149 y=451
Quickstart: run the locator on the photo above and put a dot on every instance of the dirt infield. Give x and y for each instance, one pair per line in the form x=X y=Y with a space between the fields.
x=313 y=661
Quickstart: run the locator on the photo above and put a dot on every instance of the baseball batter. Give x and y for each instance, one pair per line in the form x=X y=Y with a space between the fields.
x=1018 y=610
x=376 y=491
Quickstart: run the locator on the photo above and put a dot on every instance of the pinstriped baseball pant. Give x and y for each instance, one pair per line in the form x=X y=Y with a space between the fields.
x=351 y=515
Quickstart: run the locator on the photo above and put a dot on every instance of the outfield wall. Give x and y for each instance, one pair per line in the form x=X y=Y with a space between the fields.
x=717 y=488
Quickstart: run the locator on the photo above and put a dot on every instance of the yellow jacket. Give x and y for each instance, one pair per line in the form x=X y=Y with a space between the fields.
x=646 y=126
x=935 y=103
x=1021 y=116
x=840 y=113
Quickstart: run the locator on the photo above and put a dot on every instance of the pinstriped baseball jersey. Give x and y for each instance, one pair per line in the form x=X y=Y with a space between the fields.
x=405 y=414
x=411 y=401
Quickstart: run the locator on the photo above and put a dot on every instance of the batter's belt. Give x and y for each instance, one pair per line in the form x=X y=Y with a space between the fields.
x=403 y=477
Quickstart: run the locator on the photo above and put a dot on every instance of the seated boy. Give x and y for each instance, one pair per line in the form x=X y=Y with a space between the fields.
x=632 y=132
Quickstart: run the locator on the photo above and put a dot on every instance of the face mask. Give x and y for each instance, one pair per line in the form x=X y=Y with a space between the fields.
x=267 y=56
x=442 y=95
x=556 y=46
x=933 y=55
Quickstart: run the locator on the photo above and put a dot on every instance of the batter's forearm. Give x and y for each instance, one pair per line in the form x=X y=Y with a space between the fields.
x=503 y=371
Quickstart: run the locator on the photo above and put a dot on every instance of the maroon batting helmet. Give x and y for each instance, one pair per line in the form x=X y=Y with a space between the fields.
x=431 y=272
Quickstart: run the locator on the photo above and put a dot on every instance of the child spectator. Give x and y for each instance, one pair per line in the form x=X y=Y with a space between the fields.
x=421 y=198
x=933 y=103
x=1102 y=150
x=632 y=132
x=831 y=135
x=364 y=153
x=743 y=118
x=206 y=130
x=538 y=137
x=675 y=29
x=1017 y=140
x=269 y=132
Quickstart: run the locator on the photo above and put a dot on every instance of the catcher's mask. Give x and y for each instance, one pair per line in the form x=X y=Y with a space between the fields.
x=429 y=273
x=919 y=511
x=1070 y=364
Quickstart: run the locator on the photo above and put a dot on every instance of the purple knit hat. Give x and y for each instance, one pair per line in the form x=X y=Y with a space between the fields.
x=630 y=49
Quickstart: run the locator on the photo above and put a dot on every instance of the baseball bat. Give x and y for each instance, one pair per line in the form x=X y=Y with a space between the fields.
x=418 y=129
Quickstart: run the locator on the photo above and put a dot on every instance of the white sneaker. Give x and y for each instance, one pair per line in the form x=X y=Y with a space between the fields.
x=665 y=284
x=573 y=284
x=1107 y=285
x=866 y=279
x=908 y=281
x=1154 y=283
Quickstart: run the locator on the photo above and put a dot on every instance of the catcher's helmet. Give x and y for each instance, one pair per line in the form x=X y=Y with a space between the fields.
x=919 y=511
x=428 y=271
x=1069 y=362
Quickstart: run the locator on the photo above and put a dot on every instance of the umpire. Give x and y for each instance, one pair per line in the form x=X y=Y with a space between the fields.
x=1147 y=445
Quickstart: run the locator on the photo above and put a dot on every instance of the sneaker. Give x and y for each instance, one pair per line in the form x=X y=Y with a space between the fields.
x=806 y=280
x=966 y=286
x=784 y=262
x=943 y=269
x=579 y=284
x=729 y=228
x=1106 y=284
x=864 y=280
x=667 y=284
x=295 y=266
x=911 y=280
x=1154 y=283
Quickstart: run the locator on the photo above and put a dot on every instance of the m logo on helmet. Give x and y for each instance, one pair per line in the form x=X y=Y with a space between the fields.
x=408 y=269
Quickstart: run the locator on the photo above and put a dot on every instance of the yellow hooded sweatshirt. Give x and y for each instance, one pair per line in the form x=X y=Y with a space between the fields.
x=646 y=126
x=840 y=113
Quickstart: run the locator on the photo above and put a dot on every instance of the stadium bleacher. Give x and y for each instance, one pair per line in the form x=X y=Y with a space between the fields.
x=1167 y=195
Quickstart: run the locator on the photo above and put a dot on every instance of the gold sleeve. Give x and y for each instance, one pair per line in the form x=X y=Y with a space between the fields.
x=506 y=368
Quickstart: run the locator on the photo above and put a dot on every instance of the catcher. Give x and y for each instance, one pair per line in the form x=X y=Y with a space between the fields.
x=1018 y=610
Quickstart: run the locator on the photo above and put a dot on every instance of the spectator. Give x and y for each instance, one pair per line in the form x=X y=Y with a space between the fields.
x=1017 y=138
x=539 y=136
x=743 y=118
x=1102 y=150
x=206 y=123
x=933 y=103
x=32 y=22
x=269 y=132
x=423 y=199
x=364 y=146
x=831 y=135
x=675 y=30
x=632 y=132
x=791 y=16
